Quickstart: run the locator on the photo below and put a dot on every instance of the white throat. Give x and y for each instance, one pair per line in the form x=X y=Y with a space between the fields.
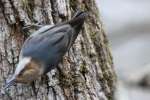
x=22 y=63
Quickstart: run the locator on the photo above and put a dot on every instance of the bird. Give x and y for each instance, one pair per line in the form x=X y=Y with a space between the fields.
x=44 y=49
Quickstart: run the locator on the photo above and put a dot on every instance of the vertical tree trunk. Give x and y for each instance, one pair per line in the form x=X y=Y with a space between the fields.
x=86 y=73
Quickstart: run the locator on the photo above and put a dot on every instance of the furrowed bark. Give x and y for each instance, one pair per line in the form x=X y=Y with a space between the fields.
x=86 y=72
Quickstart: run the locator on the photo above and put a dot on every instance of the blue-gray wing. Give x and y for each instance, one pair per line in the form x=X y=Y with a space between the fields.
x=50 y=46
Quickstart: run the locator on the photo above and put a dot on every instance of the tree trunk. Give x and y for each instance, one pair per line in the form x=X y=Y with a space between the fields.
x=86 y=72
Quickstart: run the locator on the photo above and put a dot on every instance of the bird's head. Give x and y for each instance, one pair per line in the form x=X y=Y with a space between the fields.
x=26 y=71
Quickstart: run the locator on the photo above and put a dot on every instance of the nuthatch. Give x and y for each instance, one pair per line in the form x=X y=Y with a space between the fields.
x=43 y=50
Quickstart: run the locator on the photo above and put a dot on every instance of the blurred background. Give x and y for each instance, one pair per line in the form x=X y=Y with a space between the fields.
x=127 y=24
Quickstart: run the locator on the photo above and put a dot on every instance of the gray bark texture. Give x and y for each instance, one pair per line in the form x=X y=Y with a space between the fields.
x=86 y=72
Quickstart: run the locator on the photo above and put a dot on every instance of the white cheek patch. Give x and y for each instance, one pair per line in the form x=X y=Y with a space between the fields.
x=22 y=63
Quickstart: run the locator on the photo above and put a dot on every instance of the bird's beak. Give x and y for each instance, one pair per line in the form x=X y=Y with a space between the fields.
x=10 y=82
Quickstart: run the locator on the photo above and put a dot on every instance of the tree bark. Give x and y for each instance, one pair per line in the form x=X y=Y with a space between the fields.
x=86 y=72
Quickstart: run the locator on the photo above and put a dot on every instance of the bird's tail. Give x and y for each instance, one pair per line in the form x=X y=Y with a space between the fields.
x=76 y=23
x=80 y=14
x=77 y=20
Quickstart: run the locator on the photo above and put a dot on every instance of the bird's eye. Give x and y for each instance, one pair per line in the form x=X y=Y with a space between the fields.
x=21 y=73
